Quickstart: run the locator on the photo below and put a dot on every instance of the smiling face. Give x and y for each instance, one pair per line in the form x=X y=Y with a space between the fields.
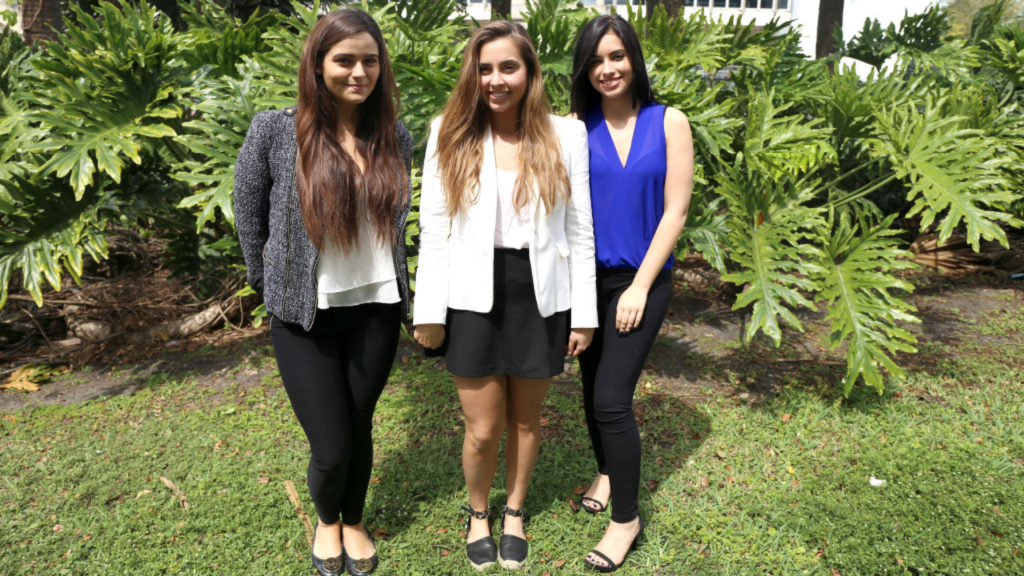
x=611 y=72
x=350 y=69
x=503 y=76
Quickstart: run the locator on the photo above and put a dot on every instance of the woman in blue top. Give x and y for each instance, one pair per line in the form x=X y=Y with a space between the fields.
x=641 y=177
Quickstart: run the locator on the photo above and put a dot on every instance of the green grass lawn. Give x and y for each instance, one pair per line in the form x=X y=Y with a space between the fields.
x=780 y=485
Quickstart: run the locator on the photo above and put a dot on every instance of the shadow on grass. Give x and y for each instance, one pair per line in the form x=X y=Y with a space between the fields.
x=421 y=477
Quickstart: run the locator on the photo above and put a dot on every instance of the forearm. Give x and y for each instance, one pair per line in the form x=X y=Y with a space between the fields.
x=662 y=245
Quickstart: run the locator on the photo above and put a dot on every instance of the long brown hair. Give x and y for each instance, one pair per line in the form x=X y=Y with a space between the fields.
x=460 y=139
x=330 y=185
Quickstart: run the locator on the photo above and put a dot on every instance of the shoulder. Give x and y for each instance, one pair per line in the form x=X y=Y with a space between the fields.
x=675 y=119
x=272 y=124
x=569 y=128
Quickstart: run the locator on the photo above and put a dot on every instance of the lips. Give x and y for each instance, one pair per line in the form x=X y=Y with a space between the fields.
x=611 y=84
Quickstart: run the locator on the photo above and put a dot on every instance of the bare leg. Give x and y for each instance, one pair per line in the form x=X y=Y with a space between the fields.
x=600 y=490
x=327 y=543
x=525 y=398
x=483 y=403
x=357 y=541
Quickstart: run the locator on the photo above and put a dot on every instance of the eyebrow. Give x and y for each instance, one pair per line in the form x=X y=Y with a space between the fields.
x=347 y=55
x=502 y=63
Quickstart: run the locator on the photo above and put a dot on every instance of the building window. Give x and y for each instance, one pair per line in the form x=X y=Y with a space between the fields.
x=783 y=4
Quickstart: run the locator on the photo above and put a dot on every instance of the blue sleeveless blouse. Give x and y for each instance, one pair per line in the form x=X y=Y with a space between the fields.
x=628 y=201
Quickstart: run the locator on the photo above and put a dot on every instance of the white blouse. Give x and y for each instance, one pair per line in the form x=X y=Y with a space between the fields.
x=514 y=227
x=365 y=274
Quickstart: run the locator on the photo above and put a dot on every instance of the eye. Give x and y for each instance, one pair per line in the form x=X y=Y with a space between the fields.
x=370 y=61
x=484 y=70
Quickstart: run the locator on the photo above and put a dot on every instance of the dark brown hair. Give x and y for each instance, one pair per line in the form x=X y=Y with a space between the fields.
x=464 y=124
x=582 y=95
x=332 y=191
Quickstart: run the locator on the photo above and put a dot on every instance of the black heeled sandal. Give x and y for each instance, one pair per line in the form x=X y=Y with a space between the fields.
x=592 y=505
x=482 y=552
x=512 y=550
x=608 y=565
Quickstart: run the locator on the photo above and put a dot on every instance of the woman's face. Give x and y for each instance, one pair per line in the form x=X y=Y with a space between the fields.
x=350 y=69
x=611 y=73
x=502 y=75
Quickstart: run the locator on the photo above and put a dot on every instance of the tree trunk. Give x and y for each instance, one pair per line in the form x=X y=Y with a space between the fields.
x=673 y=7
x=40 y=19
x=650 y=6
x=830 y=16
x=501 y=9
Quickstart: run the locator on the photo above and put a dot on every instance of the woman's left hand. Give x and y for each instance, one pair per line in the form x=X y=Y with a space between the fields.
x=630 y=310
x=579 y=339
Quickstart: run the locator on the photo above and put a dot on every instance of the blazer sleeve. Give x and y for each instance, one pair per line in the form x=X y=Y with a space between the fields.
x=579 y=229
x=435 y=227
x=251 y=197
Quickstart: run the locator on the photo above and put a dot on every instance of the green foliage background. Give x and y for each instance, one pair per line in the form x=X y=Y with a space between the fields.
x=809 y=182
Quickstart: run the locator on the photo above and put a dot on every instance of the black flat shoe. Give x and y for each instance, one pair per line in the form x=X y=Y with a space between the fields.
x=328 y=566
x=482 y=553
x=608 y=565
x=512 y=550
x=361 y=566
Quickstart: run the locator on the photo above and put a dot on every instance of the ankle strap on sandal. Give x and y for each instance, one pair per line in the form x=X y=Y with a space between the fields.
x=513 y=512
x=476 y=513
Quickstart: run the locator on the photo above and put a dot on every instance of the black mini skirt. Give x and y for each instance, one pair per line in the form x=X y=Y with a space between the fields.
x=513 y=338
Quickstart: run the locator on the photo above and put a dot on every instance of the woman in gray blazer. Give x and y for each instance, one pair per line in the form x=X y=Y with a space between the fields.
x=321 y=198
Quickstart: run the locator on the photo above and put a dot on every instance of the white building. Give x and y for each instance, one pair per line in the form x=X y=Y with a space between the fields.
x=15 y=7
x=803 y=13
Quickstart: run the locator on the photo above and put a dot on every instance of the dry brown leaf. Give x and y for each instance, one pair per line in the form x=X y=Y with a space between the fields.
x=580 y=489
x=558 y=563
x=380 y=534
x=787 y=417
x=652 y=485
x=21 y=380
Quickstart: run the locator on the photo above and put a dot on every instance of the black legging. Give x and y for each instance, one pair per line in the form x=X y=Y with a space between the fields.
x=334 y=375
x=610 y=368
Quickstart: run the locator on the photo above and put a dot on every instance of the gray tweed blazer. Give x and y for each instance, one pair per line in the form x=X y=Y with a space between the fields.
x=280 y=257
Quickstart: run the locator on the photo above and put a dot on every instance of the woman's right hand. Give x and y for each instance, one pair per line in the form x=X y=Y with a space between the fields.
x=429 y=335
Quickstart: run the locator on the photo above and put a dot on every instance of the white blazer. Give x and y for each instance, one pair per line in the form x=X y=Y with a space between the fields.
x=456 y=258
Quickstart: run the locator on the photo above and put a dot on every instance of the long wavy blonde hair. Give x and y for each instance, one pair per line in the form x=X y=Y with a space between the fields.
x=460 y=147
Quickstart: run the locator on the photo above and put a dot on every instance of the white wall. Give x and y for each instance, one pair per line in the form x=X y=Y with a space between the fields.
x=805 y=13
x=11 y=5
x=885 y=11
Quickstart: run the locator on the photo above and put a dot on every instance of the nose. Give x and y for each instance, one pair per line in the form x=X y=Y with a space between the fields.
x=358 y=71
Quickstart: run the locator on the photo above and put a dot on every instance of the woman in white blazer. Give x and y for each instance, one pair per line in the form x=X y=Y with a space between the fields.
x=506 y=266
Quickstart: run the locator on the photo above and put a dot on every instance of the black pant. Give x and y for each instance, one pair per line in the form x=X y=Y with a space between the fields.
x=610 y=368
x=334 y=375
